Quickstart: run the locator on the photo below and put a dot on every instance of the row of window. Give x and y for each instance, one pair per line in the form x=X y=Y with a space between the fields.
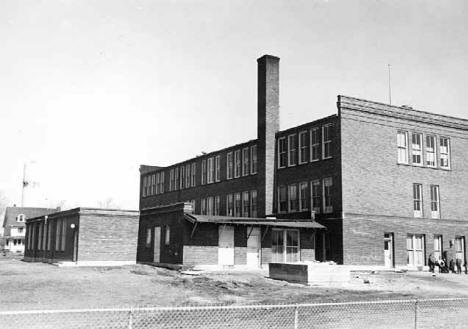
x=167 y=235
x=14 y=242
x=241 y=164
x=211 y=170
x=310 y=145
x=301 y=196
x=415 y=246
x=40 y=236
x=153 y=184
x=435 y=154
x=418 y=206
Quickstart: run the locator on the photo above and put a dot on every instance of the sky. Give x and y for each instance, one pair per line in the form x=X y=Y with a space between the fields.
x=89 y=90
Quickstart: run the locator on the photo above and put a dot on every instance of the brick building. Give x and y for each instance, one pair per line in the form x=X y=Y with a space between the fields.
x=388 y=183
x=83 y=236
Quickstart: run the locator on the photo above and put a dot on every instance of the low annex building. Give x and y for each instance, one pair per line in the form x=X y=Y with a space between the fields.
x=173 y=234
x=83 y=236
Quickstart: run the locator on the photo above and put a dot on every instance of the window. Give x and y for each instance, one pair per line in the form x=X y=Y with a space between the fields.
x=316 y=194
x=438 y=247
x=253 y=159
x=182 y=177
x=285 y=245
x=444 y=153
x=430 y=151
x=153 y=184
x=145 y=180
x=229 y=165
x=416 y=149
x=171 y=180
x=460 y=248
x=253 y=203
x=326 y=141
x=230 y=205
x=415 y=249
x=20 y=230
x=176 y=178
x=245 y=204
x=292 y=150
x=64 y=235
x=58 y=234
x=282 y=155
x=148 y=237
x=217 y=205
x=49 y=235
x=194 y=172
x=417 y=200
x=303 y=147
x=327 y=195
x=210 y=170
x=156 y=183
x=402 y=142
x=293 y=203
x=187 y=176
x=303 y=200
x=282 y=199
x=237 y=205
x=20 y=218
x=245 y=161
x=237 y=163
x=203 y=206
x=203 y=172
x=161 y=181
x=314 y=144
x=435 y=201
x=167 y=235
x=218 y=168
x=209 y=205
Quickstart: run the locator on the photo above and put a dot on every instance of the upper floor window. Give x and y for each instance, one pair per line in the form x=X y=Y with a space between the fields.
x=253 y=159
x=203 y=172
x=303 y=196
x=293 y=204
x=176 y=178
x=292 y=150
x=444 y=152
x=402 y=141
x=159 y=186
x=326 y=141
x=435 y=201
x=282 y=153
x=217 y=168
x=230 y=205
x=193 y=174
x=210 y=170
x=229 y=166
x=237 y=163
x=237 y=205
x=315 y=144
x=316 y=195
x=417 y=200
x=209 y=205
x=20 y=218
x=245 y=204
x=217 y=205
x=245 y=161
x=282 y=199
x=253 y=203
x=327 y=195
x=187 y=175
x=171 y=180
x=303 y=147
x=182 y=177
x=430 y=151
x=416 y=149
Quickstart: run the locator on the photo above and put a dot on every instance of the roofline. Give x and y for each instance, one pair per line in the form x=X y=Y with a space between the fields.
x=83 y=210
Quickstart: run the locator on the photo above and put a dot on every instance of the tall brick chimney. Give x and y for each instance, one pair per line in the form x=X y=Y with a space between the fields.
x=267 y=127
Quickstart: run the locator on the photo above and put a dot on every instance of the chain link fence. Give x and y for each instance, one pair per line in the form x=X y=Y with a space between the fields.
x=427 y=313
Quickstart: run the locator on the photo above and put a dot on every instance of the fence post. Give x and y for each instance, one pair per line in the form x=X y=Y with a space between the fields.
x=296 y=317
x=130 y=319
x=416 y=314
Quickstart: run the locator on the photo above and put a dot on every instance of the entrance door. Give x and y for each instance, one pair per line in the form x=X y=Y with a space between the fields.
x=226 y=245
x=388 y=249
x=157 y=244
x=253 y=247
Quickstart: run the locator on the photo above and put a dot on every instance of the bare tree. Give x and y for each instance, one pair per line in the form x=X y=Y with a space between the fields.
x=108 y=203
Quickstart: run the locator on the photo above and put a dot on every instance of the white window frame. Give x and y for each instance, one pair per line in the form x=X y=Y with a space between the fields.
x=176 y=178
x=282 y=152
x=415 y=253
x=245 y=204
x=327 y=143
x=418 y=200
x=292 y=150
x=431 y=154
x=327 y=185
x=444 y=153
x=316 y=196
x=230 y=205
x=171 y=180
x=245 y=161
x=435 y=201
x=303 y=147
x=283 y=257
x=237 y=163
x=229 y=165
x=237 y=202
x=217 y=168
x=253 y=159
x=193 y=179
x=438 y=246
x=315 y=143
x=182 y=177
x=293 y=189
x=402 y=146
x=187 y=175
x=210 y=170
x=203 y=172
x=416 y=149
x=302 y=206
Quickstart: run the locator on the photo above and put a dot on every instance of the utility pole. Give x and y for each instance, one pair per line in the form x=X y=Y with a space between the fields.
x=389 y=86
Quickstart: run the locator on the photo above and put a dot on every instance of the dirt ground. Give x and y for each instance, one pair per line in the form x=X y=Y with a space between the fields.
x=28 y=286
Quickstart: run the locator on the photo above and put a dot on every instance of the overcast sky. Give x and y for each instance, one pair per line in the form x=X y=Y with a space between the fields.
x=89 y=90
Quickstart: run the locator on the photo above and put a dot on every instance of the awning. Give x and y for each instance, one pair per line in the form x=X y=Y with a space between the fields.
x=227 y=220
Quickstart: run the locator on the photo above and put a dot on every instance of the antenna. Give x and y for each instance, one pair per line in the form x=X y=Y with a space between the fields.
x=389 y=86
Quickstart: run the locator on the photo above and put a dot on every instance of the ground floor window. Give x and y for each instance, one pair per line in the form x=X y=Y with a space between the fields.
x=438 y=247
x=415 y=248
x=285 y=246
x=460 y=248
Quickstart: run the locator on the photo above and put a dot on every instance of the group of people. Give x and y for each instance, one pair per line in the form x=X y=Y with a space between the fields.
x=448 y=263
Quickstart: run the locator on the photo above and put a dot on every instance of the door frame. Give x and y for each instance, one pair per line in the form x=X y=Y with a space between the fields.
x=250 y=230
x=391 y=240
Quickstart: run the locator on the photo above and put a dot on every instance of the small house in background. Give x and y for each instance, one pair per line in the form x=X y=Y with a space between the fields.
x=173 y=234
x=83 y=236
x=14 y=225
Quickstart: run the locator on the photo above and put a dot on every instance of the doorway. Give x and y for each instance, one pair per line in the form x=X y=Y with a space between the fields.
x=388 y=250
x=226 y=245
x=157 y=245
x=253 y=246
